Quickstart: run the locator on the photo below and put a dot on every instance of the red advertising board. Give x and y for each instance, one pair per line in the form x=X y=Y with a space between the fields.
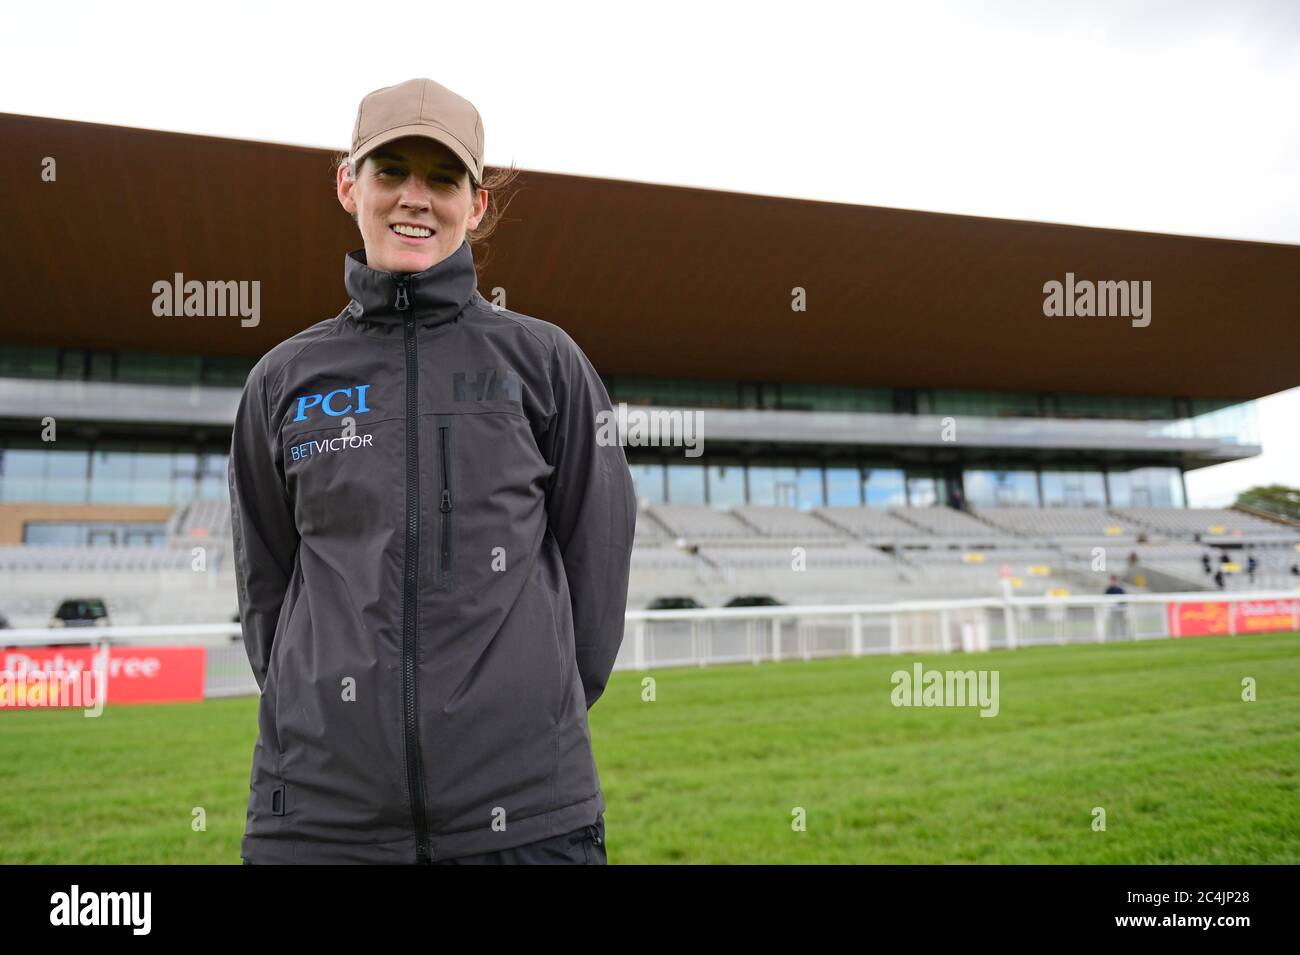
x=1221 y=618
x=1200 y=619
x=63 y=675
x=1266 y=616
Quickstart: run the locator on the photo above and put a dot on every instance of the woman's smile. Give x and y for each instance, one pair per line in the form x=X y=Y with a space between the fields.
x=410 y=234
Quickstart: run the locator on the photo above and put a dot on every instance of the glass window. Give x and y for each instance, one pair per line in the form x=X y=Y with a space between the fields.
x=1230 y=422
x=648 y=480
x=927 y=487
x=101 y=366
x=844 y=487
x=1001 y=488
x=72 y=364
x=99 y=536
x=185 y=477
x=1113 y=406
x=673 y=392
x=794 y=487
x=1070 y=488
x=809 y=488
x=113 y=472
x=989 y=404
x=22 y=474
x=845 y=398
x=774 y=486
x=96 y=534
x=1146 y=487
x=885 y=488
x=29 y=362
x=151 y=477
x=726 y=485
x=685 y=484
x=158 y=369
x=214 y=481
x=226 y=372
x=54 y=535
x=145 y=535
x=65 y=476
x=110 y=474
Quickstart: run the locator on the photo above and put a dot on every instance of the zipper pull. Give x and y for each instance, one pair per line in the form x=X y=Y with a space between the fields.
x=403 y=302
x=446 y=502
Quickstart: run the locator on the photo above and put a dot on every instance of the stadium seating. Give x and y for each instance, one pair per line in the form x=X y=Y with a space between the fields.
x=870 y=523
x=1210 y=523
x=786 y=522
x=695 y=522
x=949 y=523
x=848 y=555
x=1059 y=523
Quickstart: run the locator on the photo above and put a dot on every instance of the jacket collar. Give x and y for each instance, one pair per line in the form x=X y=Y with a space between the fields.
x=436 y=295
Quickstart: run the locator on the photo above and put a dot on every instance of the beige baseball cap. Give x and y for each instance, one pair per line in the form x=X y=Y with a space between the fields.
x=420 y=107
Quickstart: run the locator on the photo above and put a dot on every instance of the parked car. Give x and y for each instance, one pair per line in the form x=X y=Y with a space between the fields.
x=81 y=612
x=674 y=603
x=754 y=600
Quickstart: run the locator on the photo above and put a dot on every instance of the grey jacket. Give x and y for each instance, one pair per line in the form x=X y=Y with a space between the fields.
x=432 y=540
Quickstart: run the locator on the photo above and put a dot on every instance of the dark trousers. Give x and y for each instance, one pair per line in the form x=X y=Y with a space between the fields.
x=585 y=846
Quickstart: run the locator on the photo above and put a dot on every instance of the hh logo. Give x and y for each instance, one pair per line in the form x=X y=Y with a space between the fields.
x=487 y=384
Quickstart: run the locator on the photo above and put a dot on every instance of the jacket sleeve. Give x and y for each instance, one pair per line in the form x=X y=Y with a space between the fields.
x=591 y=509
x=262 y=527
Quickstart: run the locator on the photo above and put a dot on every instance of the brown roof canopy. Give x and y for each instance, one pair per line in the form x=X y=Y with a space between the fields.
x=649 y=279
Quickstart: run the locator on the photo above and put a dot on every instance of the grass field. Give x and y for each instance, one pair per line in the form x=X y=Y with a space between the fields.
x=1155 y=732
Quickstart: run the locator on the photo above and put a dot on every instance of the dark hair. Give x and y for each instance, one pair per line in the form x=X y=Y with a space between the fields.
x=498 y=181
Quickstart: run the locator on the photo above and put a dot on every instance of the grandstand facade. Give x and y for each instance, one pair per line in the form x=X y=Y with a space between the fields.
x=920 y=429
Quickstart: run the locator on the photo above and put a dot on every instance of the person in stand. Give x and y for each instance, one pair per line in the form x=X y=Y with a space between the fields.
x=1118 y=612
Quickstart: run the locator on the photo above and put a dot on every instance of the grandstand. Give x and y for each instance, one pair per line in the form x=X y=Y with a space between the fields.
x=902 y=445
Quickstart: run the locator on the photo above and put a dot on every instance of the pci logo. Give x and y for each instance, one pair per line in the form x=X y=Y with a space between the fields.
x=487 y=384
x=336 y=403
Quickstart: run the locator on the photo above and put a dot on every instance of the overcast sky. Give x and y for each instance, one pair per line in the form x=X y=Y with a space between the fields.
x=1164 y=116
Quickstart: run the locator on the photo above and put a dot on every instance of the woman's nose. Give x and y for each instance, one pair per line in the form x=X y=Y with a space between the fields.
x=416 y=196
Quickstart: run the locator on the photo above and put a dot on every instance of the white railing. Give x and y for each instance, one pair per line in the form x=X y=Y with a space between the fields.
x=664 y=638
x=669 y=638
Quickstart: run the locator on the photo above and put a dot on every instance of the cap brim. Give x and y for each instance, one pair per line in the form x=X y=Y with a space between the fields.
x=420 y=129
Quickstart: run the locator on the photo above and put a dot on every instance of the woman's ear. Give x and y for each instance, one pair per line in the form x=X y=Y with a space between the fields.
x=480 y=207
x=345 y=186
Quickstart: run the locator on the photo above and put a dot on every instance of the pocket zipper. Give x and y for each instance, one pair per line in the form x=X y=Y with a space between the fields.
x=445 y=505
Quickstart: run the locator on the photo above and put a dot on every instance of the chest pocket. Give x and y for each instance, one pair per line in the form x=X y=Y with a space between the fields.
x=345 y=484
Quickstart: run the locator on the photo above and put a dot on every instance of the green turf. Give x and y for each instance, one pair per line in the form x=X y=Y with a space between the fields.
x=1154 y=732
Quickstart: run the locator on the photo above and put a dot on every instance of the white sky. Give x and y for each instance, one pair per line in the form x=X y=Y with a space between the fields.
x=1165 y=116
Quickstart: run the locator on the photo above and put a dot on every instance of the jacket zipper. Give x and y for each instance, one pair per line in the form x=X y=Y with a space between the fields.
x=445 y=506
x=410 y=589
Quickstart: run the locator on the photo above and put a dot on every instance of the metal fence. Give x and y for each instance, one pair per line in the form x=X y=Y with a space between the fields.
x=706 y=637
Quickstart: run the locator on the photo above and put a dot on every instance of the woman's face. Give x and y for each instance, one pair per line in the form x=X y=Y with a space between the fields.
x=416 y=182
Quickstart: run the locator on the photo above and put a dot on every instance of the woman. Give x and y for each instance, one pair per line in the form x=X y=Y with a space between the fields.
x=432 y=539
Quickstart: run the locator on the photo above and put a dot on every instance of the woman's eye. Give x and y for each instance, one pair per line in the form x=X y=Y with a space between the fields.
x=392 y=169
